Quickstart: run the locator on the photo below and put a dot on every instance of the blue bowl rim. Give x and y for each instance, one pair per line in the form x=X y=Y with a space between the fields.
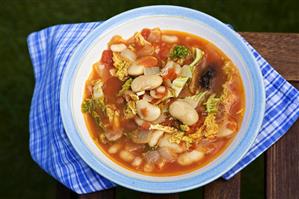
x=178 y=185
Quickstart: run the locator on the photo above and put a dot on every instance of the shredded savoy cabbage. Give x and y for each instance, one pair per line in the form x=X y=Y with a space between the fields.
x=125 y=87
x=121 y=65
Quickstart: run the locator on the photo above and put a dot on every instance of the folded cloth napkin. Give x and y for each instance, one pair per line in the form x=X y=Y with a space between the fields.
x=50 y=50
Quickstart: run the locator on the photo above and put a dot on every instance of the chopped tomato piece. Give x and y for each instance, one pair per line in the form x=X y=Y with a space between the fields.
x=192 y=147
x=145 y=32
x=171 y=74
x=107 y=57
x=145 y=125
x=148 y=61
x=164 y=51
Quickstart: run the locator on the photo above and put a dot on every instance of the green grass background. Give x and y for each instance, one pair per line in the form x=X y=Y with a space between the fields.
x=20 y=177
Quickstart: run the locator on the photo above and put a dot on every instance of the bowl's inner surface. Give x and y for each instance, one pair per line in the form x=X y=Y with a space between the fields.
x=126 y=30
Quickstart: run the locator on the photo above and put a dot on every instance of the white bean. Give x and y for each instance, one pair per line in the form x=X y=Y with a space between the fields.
x=153 y=94
x=140 y=136
x=130 y=55
x=155 y=35
x=148 y=167
x=118 y=47
x=137 y=162
x=152 y=157
x=140 y=93
x=151 y=70
x=161 y=163
x=146 y=50
x=168 y=65
x=156 y=135
x=161 y=89
x=135 y=70
x=183 y=112
x=126 y=156
x=164 y=142
x=146 y=82
x=224 y=132
x=139 y=121
x=188 y=158
x=169 y=38
x=158 y=92
x=114 y=148
x=167 y=154
x=147 y=97
x=147 y=111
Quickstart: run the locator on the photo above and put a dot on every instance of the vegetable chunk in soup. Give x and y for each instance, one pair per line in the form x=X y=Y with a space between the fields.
x=163 y=102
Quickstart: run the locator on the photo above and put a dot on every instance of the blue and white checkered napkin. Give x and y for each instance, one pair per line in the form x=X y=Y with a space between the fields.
x=50 y=50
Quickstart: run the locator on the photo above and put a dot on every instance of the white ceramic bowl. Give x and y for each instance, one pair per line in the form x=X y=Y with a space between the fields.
x=172 y=18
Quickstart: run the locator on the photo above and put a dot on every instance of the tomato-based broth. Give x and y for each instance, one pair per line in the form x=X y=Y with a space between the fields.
x=163 y=102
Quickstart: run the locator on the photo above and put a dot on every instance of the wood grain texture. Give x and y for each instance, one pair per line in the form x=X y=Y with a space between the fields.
x=223 y=189
x=282 y=165
x=281 y=50
x=106 y=194
x=159 y=196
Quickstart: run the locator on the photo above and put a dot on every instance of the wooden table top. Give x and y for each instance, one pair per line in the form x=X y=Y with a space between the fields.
x=281 y=50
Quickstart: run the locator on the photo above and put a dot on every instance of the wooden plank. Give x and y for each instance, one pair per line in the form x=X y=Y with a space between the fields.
x=223 y=189
x=159 y=196
x=279 y=49
x=106 y=194
x=282 y=165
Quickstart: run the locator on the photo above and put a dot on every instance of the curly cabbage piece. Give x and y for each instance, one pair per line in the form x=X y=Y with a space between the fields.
x=196 y=99
x=198 y=134
x=125 y=87
x=140 y=39
x=97 y=119
x=186 y=71
x=178 y=85
x=89 y=105
x=179 y=137
x=198 y=56
x=227 y=98
x=130 y=110
x=212 y=104
x=121 y=65
x=176 y=137
x=188 y=141
x=166 y=129
x=110 y=113
x=210 y=126
x=113 y=116
x=229 y=70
